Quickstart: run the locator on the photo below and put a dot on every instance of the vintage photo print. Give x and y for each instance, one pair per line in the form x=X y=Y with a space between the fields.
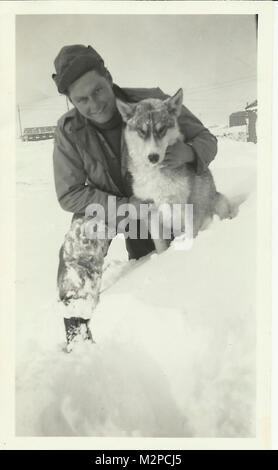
x=140 y=167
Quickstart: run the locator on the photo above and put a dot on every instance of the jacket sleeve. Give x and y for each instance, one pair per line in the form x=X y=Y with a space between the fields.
x=203 y=143
x=73 y=193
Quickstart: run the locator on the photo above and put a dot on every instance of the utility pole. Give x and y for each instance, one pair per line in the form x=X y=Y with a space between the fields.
x=19 y=119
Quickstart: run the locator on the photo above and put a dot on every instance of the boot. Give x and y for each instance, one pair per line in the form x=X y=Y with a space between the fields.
x=77 y=328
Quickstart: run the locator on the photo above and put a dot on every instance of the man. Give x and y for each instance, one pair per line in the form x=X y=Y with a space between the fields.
x=90 y=157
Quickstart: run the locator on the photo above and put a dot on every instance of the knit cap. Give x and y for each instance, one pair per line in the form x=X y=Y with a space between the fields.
x=74 y=61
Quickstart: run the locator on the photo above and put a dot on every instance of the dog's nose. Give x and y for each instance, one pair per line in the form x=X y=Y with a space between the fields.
x=153 y=157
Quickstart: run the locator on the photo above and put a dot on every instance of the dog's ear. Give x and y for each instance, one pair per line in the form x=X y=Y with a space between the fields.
x=174 y=103
x=127 y=110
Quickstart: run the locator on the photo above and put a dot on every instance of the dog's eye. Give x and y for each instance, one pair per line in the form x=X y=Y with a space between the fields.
x=161 y=131
x=142 y=132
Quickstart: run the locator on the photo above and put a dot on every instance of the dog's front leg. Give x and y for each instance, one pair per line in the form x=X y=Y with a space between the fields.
x=160 y=245
x=157 y=231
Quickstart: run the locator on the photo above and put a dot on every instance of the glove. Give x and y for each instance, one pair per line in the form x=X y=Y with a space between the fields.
x=177 y=155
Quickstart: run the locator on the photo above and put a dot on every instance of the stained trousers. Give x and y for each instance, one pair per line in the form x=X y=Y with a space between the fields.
x=81 y=265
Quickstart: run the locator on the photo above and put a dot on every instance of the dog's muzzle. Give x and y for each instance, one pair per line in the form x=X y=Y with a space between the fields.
x=153 y=157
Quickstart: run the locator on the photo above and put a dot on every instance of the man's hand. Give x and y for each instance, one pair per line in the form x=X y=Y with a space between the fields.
x=177 y=155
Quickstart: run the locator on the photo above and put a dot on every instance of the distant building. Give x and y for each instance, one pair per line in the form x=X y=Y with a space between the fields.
x=238 y=119
x=252 y=106
x=252 y=110
x=38 y=133
x=247 y=118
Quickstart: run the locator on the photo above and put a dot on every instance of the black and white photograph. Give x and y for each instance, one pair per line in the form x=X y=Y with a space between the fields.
x=138 y=207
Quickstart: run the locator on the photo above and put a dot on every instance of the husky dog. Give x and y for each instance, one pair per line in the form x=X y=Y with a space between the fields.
x=151 y=126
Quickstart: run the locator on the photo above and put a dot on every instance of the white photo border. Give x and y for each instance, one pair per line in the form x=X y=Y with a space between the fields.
x=8 y=12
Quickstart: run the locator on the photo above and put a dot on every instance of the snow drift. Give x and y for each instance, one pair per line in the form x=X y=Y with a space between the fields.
x=175 y=333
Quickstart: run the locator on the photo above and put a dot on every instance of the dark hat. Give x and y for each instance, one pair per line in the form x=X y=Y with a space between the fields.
x=74 y=61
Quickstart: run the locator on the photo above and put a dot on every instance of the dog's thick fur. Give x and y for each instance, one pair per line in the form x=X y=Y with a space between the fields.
x=152 y=126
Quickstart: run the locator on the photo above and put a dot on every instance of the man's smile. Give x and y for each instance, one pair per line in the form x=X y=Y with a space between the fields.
x=99 y=112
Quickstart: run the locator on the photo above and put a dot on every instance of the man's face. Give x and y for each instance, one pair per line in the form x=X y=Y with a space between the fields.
x=93 y=96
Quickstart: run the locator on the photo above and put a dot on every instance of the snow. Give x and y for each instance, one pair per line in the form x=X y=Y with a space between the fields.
x=238 y=133
x=42 y=112
x=175 y=333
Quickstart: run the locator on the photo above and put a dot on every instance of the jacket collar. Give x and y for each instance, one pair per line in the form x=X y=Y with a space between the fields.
x=80 y=124
x=83 y=131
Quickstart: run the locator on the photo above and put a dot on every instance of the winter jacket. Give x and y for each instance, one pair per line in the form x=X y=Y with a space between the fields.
x=81 y=172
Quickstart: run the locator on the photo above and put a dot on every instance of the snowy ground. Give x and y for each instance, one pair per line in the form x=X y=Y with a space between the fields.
x=175 y=334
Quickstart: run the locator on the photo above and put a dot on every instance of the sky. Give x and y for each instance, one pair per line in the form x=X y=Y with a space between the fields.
x=212 y=57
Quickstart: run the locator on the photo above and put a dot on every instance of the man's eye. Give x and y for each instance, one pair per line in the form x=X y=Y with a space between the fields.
x=82 y=100
x=98 y=90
